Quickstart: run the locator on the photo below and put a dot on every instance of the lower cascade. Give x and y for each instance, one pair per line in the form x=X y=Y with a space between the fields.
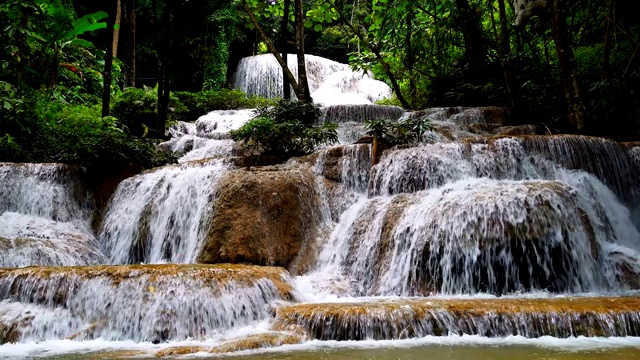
x=483 y=231
x=138 y=302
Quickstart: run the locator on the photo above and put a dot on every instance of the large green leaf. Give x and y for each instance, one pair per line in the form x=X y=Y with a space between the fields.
x=87 y=23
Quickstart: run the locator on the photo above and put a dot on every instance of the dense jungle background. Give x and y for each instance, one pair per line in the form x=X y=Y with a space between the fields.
x=96 y=83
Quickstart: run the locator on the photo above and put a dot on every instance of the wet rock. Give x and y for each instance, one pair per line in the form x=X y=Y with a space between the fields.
x=9 y=333
x=265 y=216
x=401 y=319
x=258 y=341
x=138 y=302
x=181 y=350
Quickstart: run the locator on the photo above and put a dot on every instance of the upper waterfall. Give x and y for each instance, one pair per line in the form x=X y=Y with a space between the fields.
x=330 y=82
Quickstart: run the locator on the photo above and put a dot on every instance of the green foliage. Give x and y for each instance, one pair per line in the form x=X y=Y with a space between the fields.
x=42 y=129
x=392 y=101
x=407 y=131
x=286 y=130
x=136 y=109
x=200 y=103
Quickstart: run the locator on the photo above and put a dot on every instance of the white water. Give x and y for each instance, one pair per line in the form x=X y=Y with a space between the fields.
x=330 y=82
x=450 y=238
x=51 y=191
x=504 y=217
x=162 y=215
x=207 y=137
x=143 y=304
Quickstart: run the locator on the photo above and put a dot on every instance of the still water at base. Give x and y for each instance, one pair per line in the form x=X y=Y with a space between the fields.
x=338 y=351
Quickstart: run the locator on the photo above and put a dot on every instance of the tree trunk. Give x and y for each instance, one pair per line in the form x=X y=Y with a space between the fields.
x=302 y=64
x=375 y=149
x=575 y=107
x=385 y=66
x=108 y=61
x=128 y=42
x=607 y=44
x=284 y=38
x=505 y=56
x=163 y=67
x=410 y=58
x=116 y=30
x=274 y=51
x=469 y=23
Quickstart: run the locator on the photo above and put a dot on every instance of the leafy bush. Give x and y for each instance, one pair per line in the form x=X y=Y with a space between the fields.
x=392 y=133
x=286 y=130
x=392 y=101
x=42 y=129
x=136 y=109
x=200 y=103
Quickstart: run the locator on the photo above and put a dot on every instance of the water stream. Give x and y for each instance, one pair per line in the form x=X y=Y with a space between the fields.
x=486 y=248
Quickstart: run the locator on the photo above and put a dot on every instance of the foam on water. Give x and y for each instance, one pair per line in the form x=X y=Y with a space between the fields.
x=27 y=240
x=53 y=348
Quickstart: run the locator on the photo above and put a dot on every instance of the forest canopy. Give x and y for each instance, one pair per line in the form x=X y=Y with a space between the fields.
x=64 y=63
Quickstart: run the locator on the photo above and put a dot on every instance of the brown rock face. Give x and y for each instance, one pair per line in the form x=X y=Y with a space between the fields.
x=267 y=216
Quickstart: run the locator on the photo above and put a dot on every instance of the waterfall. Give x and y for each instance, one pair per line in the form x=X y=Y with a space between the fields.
x=349 y=167
x=535 y=157
x=161 y=215
x=497 y=216
x=491 y=236
x=330 y=82
x=44 y=216
x=207 y=137
x=51 y=191
x=28 y=240
x=531 y=318
x=140 y=303
x=360 y=113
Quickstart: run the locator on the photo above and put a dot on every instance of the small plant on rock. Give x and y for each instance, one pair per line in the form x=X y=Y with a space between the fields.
x=285 y=130
x=392 y=133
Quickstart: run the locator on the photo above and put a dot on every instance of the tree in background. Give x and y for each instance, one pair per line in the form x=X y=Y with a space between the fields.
x=300 y=85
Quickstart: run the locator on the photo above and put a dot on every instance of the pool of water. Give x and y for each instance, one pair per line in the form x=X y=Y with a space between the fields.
x=551 y=349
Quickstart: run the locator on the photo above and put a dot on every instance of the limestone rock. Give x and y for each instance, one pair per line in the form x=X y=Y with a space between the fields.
x=401 y=319
x=265 y=216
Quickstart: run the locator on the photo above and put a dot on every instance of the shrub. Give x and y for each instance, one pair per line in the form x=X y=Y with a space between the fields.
x=200 y=103
x=42 y=129
x=287 y=129
x=406 y=131
x=392 y=101
x=136 y=109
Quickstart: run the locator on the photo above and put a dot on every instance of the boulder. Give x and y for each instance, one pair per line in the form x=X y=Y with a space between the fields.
x=266 y=216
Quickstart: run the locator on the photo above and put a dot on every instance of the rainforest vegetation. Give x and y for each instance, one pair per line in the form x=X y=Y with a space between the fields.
x=96 y=83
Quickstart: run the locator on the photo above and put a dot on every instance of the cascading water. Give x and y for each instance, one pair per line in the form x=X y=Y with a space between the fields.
x=161 y=215
x=51 y=191
x=208 y=136
x=438 y=224
x=140 y=303
x=44 y=216
x=330 y=82
x=532 y=236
